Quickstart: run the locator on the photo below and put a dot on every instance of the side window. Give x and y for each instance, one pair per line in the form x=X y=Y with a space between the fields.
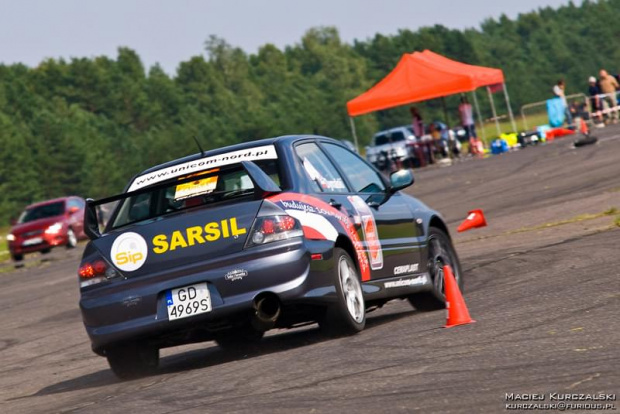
x=362 y=177
x=322 y=173
x=74 y=202
x=381 y=139
x=398 y=136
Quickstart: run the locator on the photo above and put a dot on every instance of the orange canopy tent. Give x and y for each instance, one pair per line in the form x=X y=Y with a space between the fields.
x=421 y=76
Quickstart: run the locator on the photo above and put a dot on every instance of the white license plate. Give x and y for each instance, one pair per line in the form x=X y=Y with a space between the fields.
x=31 y=242
x=188 y=301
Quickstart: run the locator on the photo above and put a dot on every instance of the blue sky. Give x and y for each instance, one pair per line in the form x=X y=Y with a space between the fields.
x=171 y=31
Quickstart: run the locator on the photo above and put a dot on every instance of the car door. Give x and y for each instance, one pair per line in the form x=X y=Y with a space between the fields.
x=387 y=223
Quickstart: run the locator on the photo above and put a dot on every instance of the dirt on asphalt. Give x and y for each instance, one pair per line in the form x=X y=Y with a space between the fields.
x=542 y=281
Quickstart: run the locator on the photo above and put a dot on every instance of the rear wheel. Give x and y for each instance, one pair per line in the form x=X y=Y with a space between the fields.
x=440 y=253
x=133 y=360
x=348 y=315
x=71 y=239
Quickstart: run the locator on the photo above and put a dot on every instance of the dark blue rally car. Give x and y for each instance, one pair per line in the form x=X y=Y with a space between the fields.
x=227 y=244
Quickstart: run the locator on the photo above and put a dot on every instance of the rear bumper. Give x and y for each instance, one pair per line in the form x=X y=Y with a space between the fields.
x=136 y=308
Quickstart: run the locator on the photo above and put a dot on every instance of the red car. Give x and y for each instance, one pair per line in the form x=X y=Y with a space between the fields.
x=41 y=226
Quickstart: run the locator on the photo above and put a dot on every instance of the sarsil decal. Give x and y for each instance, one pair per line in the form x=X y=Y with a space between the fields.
x=191 y=236
x=369 y=228
x=314 y=215
x=129 y=251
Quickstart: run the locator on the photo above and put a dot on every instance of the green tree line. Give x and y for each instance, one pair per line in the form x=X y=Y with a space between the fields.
x=85 y=126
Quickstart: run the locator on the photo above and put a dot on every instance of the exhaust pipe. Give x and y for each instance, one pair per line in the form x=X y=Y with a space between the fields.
x=266 y=312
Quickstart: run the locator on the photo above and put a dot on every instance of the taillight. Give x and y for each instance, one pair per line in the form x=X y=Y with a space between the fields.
x=273 y=228
x=95 y=270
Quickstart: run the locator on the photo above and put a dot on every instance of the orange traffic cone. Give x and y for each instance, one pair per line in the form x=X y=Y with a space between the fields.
x=455 y=304
x=475 y=218
x=583 y=128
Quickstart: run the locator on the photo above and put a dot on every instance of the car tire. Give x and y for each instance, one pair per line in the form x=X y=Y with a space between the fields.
x=348 y=315
x=133 y=360
x=239 y=338
x=17 y=257
x=46 y=251
x=440 y=253
x=71 y=239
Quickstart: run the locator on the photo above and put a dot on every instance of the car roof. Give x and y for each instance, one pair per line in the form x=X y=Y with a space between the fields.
x=52 y=201
x=282 y=140
x=392 y=129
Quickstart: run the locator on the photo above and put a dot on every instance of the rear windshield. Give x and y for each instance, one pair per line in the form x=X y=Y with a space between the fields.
x=41 y=212
x=210 y=187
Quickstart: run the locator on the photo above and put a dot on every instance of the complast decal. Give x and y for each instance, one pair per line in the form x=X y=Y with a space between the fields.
x=369 y=228
x=129 y=251
x=314 y=216
x=265 y=152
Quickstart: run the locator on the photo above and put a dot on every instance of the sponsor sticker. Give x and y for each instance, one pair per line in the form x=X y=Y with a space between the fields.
x=129 y=251
x=410 y=268
x=265 y=152
x=315 y=217
x=195 y=188
x=369 y=229
x=414 y=281
x=236 y=274
x=210 y=232
x=315 y=175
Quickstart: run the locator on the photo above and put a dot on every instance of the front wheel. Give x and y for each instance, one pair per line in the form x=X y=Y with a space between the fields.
x=440 y=253
x=71 y=239
x=133 y=360
x=348 y=315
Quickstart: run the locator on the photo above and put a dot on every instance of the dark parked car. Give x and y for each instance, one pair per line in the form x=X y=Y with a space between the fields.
x=42 y=226
x=269 y=234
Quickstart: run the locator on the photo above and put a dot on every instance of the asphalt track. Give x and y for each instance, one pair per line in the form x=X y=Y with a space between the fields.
x=542 y=283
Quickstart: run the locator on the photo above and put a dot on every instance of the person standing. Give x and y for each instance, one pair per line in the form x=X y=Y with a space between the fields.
x=466 y=114
x=416 y=122
x=609 y=85
x=423 y=151
x=558 y=90
x=595 y=100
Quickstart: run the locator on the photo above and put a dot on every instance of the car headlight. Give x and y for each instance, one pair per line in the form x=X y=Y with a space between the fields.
x=54 y=228
x=10 y=237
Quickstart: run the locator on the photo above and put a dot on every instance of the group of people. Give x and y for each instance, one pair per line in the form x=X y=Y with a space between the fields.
x=443 y=143
x=603 y=97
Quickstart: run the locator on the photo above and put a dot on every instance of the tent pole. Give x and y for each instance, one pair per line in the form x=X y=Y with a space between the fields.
x=354 y=134
x=481 y=127
x=512 y=118
x=499 y=132
x=445 y=111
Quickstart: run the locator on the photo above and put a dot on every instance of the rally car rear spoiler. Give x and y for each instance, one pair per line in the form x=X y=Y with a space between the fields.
x=264 y=186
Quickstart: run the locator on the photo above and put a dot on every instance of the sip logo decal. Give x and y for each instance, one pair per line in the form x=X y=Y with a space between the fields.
x=129 y=251
x=369 y=228
x=198 y=234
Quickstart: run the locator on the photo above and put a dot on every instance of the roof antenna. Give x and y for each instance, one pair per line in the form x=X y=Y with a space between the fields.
x=202 y=152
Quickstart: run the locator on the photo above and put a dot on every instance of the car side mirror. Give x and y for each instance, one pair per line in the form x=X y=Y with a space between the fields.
x=400 y=179
x=73 y=209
